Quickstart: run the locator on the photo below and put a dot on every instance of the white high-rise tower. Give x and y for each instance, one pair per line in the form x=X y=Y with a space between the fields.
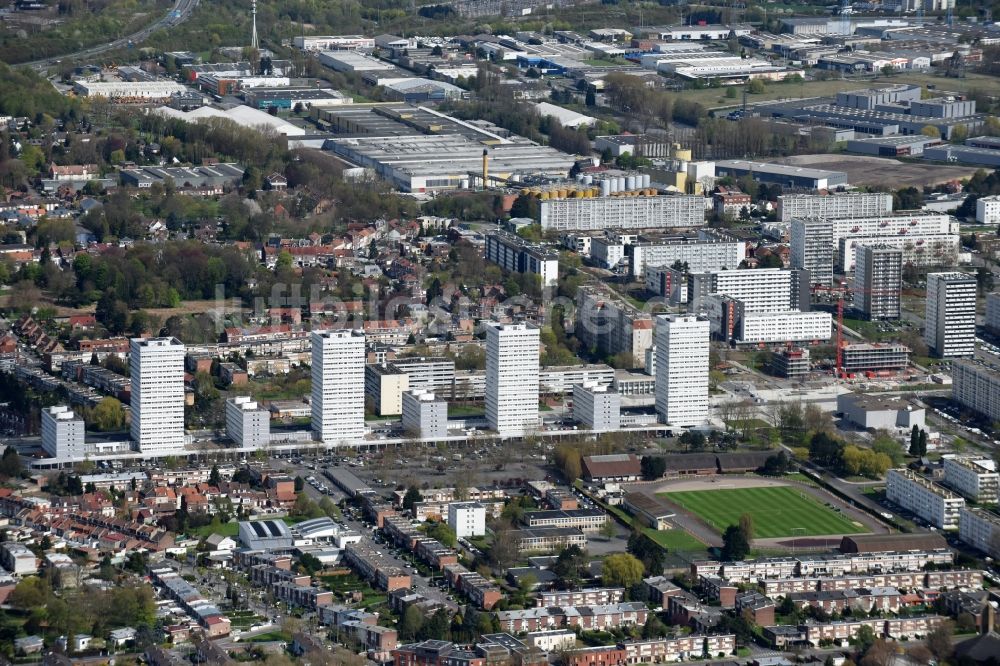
x=253 y=36
x=682 y=343
x=338 y=386
x=157 y=370
x=511 y=378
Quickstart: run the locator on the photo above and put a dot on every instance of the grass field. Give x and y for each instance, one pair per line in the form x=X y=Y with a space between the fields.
x=675 y=540
x=778 y=511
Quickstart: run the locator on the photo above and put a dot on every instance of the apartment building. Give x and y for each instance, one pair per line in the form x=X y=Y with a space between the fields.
x=425 y=415
x=592 y=617
x=375 y=568
x=516 y=255
x=338 y=386
x=700 y=255
x=682 y=345
x=783 y=327
x=980 y=528
x=588 y=596
x=812 y=248
x=428 y=373
x=597 y=407
x=611 y=325
x=761 y=289
x=919 y=495
x=512 y=378
x=950 y=316
x=988 y=210
x=878 y=281
x=922 y=250
x=976 y=479
x=247 y=424
x=876 y=357
x=157 y=404
x=976 y=386
x=834 y=206
x=467 y=519
x=992 y=318
x=63 y=433
x=647 y=212
x=385 y=384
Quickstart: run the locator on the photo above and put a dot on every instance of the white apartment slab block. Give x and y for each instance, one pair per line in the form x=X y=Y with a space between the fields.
x=512 y=378
x=928 y=500
x=63 y=433
x=468 y=519
x=682 y=343
x=338 y=386
x=247 y=423
x=157 y=404
x=950 y=316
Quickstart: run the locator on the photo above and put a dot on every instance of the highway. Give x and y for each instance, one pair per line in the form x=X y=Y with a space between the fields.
x=180 y=13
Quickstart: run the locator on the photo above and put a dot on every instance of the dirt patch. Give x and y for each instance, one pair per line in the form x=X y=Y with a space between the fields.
x=865 y=170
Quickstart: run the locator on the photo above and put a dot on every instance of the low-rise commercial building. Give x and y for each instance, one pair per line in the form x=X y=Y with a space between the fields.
x=586 y=520
x=875 y=412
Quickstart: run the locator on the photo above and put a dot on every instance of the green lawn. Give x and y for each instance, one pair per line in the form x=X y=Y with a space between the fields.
x=675 y=540
x=778 y=511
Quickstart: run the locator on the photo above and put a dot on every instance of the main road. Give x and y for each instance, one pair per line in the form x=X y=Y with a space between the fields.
x=180 y=13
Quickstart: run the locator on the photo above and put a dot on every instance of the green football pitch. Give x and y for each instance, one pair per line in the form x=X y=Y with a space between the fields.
x=777 y=511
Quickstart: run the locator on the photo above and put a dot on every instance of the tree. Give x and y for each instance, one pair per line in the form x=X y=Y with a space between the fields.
x=570 y=564
x=608 y=529
x=299 y=484
x=746 y=526
x=923 y=443
x=10 y=463
x=569 y=461
x=108 y=415
x=214 y=478
x=412 y=622
x=621 y=570
x=653 y=467
x=826 y=449
x=443 y=533
x=931 y=131
x=411 y=497
x=939 y=640
x=590 y=99
x=694 y=440
x=915 y=441
x=735 y=545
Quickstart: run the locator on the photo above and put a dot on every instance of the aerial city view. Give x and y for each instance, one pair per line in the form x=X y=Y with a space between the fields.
x=499 y=332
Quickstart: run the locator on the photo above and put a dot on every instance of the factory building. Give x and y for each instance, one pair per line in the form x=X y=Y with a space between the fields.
x=289 y=98
x=781 y=174
x=129 y=90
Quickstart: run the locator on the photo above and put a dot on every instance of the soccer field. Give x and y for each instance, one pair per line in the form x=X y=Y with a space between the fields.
x=778 y=511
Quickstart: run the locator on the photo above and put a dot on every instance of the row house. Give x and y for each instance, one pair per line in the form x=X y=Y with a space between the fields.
x=375 y=568
x=589 y=618
x=752 y=571
x=310 y=597
x=667 y=650
x=584 y=597
x=887 y=599
x=904 y=580
x=911 y=627
x=686 y=610
x=479 y=590
x=266 y=575
x=377 y=641
x=760 y=608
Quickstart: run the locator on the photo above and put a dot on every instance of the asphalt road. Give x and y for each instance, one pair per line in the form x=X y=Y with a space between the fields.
x=180 y=13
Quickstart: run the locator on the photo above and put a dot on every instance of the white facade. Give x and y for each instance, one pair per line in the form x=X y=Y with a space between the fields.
x=599 y=213
x=848 y=204
x=992 y=318
x=338 y=386
x=788 y=326
x=513 y=253
x=18 y=559
x=63 y=433
x=682 y=343
x=247 y=424
x=468 y=519
x=425 y=414
x=157 y=405
x=760 y=289
x=980 y=529
x=511 y=378
x=128 y=89
x=988 y=209
x=976 y=386
x=701 y=256
x=973 y=478
x=918 y=249
x=597 y=407
x=878 y=281
x=950 y=316
x=933 y=503
x=812 y=243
